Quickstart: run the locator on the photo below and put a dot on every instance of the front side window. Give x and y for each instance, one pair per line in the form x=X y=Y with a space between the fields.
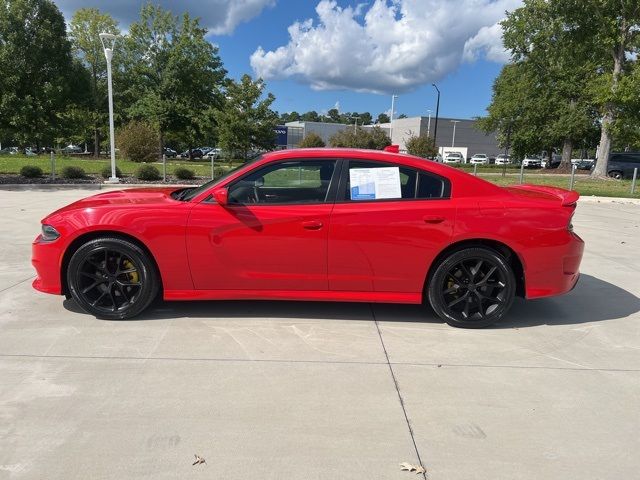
x=290 y=182
x=368 y=181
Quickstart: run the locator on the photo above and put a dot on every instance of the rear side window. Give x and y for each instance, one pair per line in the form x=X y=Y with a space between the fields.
x=413 y=184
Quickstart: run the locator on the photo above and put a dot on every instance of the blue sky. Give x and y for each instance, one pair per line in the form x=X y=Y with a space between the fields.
x=317 y=54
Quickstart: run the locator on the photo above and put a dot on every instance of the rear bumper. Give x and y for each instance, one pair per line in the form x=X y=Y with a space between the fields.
x=553 y=270
x=46 y=258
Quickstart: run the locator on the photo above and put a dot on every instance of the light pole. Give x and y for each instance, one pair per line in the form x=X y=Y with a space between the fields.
x=453 y=140
x=429 y=124
x=355 y=124
x=393 y=106
x=108 y=43
x=435 y=130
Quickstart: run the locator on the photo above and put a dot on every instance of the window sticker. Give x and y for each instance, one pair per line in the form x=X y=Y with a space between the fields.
x=375 y=183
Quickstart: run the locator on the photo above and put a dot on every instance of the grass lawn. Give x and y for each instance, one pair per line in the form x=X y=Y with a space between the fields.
x=13 y=164
x=583 y=184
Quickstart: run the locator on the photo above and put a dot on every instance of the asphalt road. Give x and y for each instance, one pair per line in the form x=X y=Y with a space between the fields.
x=287 y=390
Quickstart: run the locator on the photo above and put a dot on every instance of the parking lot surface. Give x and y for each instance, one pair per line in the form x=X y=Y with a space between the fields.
x=294 y=390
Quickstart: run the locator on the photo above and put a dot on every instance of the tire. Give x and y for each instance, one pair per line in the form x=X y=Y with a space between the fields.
x=615 y=174
x=464 y=299
x=112 y=278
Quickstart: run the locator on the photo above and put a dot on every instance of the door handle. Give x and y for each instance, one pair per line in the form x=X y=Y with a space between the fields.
x=433 y=219
x=312 y=225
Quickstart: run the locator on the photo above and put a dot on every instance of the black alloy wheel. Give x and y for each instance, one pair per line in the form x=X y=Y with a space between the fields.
x=472 y=288
x=112 y=278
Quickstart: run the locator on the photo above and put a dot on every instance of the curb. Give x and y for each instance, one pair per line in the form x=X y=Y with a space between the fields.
x=594 y=199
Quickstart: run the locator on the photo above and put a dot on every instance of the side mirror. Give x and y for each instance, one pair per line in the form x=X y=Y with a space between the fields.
x=221 y=196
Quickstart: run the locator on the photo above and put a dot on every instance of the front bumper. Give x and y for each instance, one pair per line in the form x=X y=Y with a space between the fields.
x=46 y=258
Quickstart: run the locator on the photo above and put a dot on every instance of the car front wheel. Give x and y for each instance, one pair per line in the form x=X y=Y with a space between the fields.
x=472 y=288
x=112 y=278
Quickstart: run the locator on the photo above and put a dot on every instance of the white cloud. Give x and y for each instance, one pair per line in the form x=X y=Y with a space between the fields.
x=219 y=16
x=397 y=46
x=487 y=43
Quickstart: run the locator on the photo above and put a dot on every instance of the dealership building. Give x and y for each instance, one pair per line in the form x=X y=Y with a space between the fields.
x=468 y=138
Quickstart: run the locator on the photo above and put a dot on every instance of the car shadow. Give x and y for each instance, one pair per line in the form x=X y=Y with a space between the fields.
x=592 y=300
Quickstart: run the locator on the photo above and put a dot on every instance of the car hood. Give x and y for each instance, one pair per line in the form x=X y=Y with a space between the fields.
x=130 y=197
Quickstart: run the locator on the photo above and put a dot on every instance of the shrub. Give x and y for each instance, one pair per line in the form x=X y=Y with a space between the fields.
x=312 y=140
x=147 y=172
x=106 y=172
x=218 y=172
x=421 y=146
x=72 y=172
x=374 y=138
x=184 y=173
x=31 y=171
x=138 y=141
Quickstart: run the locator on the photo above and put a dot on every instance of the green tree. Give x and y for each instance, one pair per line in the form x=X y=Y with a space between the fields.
x=312 y=140
x=175 y=76
x=374 y=138
x=246 y=121
x=383 y=118
x=35 y=66
x=311 y=116
x=585 y=53
x=334 y=115
x=84 y=29
x=421 y=146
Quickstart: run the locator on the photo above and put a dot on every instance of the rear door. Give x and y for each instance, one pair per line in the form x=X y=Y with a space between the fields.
x=387 y=244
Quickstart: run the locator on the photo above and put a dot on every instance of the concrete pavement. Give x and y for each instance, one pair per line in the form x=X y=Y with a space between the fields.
x=293 y=390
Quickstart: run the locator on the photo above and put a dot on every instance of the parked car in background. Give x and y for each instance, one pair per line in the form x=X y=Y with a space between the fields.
x=9 y=151
x=259 y=232
x=71 y=148
x=453 y=157
x=480 y=159
x=195 y=153
x=622 y=164
x=503 y=159
x=583 y=163
x=214 y=153
x=554 y=163
x=532 y=161
x=169 y=152
x=31 y=152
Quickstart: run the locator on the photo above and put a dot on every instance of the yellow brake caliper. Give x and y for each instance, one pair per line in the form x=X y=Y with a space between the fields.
x=133 y=276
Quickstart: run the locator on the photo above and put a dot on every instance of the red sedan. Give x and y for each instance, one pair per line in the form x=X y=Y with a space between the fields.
x=317 y=224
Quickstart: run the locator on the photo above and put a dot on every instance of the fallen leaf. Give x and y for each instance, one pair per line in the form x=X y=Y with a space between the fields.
x=412 y=468
x=199 y=460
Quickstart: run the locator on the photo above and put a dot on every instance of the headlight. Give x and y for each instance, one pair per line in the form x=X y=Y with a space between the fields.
x=49 y=233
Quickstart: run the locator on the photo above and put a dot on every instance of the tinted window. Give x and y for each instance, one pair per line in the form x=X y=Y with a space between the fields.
x=298 y=181
x=413 y=184
x=625 y=158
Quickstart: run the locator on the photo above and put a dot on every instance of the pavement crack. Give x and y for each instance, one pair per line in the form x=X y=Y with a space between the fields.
x=16 y=284
x=395 y=382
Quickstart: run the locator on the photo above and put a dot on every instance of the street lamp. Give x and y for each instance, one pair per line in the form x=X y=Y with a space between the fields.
x=429 y=124
x=108 y=43
x=435 y=131
x=453 y=140
x=355 y=124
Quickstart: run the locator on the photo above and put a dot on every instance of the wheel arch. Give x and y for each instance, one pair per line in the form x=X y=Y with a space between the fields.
x=93 y=235
x=512 y=257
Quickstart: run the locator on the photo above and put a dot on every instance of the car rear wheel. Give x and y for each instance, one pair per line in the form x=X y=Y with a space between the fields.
x=112 y=278
x=472 y=288
x=615 y=174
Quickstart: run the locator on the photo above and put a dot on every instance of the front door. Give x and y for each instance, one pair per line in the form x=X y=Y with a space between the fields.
x=273 y=233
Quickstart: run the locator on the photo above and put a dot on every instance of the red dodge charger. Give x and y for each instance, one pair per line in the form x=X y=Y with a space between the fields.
x=317 y=224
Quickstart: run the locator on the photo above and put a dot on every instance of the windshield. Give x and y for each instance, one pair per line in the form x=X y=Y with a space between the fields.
x=190 y=193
